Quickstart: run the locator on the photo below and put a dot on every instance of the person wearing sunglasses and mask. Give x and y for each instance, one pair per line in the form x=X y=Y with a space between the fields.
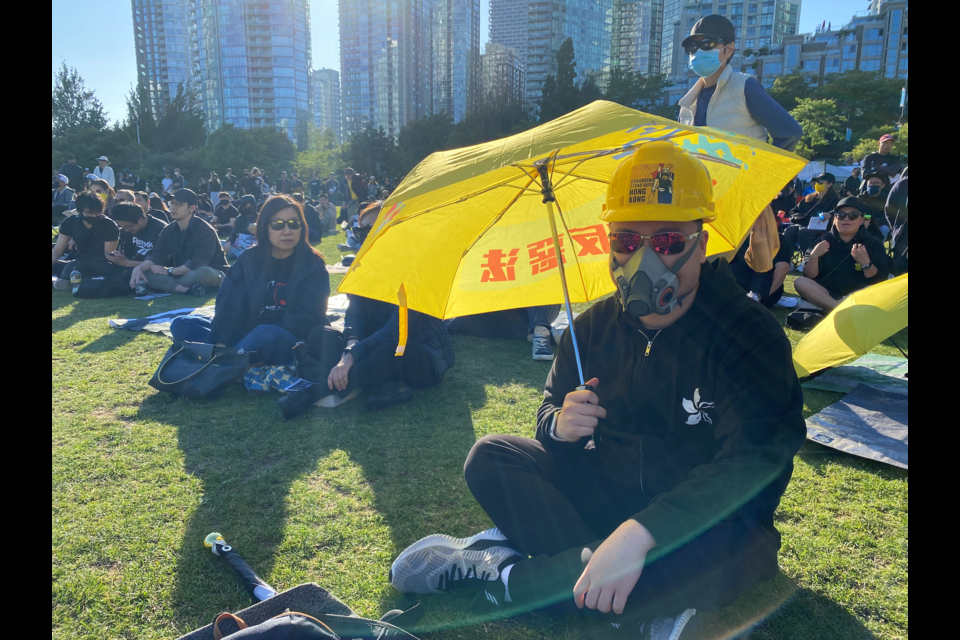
x=845 y=260
x=873 y=196
x=274 y=295
x=651 y=493
x=734 y=101
x=187 y=256
x=811 y=217
x=94 y=235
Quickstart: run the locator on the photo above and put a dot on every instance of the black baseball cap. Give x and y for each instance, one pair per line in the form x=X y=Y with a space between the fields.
x=877 y=174
x=826 y=177
x=850 y=201
x=185 y=196
x=712 y=26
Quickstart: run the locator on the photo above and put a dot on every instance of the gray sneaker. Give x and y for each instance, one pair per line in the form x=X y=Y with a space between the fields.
x=541 y=349
x=436 y=564
x=669 y=628
x=62 y=284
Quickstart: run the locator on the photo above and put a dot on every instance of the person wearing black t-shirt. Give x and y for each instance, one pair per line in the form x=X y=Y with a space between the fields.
x=316 y=185
x=312 y=218
x=229 y=182
x=274 y=295
x=882 y=160
x=845 y=260
x=95 y=236
x=851 y=186
x=296 y=184
x=224 y=214
x=138 y=234
x=187 y=256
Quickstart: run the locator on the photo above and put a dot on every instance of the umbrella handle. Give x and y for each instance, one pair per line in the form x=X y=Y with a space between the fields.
x=593 y=438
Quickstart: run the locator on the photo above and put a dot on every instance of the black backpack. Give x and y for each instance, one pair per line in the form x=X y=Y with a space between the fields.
x=803 y=319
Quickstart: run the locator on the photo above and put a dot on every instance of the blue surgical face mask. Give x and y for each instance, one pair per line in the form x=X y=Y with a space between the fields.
x=873 y=189
x=705 y=63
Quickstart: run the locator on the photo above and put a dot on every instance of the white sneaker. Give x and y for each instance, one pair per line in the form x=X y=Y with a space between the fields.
x=670 y=628
x=439 y=563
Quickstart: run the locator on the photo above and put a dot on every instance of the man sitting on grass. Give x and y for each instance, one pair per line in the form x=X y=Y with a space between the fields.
x=846 y=259
x=95 y=236
x=187 y=256
x=653 y=494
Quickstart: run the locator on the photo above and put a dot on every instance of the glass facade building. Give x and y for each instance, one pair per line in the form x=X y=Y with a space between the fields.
x=161 y=33
x=385 y=63
x=252 y=63
x=326 y=101
x=503 y=77
x=636 y=32
x=456 y=56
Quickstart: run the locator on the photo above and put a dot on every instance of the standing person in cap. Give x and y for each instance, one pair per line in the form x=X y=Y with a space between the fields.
x=652 y=492
x=73 y=171
x=734 y=101
x=187 y=256
x=105 y=172
x=229 y=183
x=845 y=260
x=882 y=161
x=63 y=194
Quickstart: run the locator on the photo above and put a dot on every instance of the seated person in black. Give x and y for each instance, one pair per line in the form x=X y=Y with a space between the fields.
x=224 y=214
x=851 y=186
x=95 y=236
x=273 y=296
x=311 y=216
x=807 y=225
x=897 y=215
x=767 y=287
x=364 y=355
x=138 y=234
x=241 y=237
x=187 y=256
x=873 y=196
x=785 y=201
x=528 y=323
x=845 y=260
x=158 y=209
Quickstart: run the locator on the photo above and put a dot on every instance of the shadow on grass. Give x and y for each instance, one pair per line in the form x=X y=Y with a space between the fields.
x=247 y=457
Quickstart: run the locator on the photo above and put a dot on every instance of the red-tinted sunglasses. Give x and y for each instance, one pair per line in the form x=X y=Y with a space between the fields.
x=667 y=243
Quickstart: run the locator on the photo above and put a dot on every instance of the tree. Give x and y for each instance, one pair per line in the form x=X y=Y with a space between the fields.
x=419 y=138
x=869 y=142
x=490 y=120
x=74 y=106
x=323 y=154
x=370 y=151
x=140 y=116
x=822 y=126
x=265 y=147
x=560 y=93
x=637 y=91
x=181 y=125
x=866 y=96
x=788 y=89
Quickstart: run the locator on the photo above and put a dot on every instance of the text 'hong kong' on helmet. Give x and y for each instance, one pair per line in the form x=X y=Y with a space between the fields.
x=660 y=182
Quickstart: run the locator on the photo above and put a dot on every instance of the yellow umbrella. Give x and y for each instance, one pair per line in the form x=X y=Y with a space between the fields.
x=859 y=323
x=467 y=231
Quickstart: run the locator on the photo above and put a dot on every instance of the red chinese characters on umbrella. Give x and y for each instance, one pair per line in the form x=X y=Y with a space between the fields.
x=593 y=240
x=543 y=257
x=499 y=267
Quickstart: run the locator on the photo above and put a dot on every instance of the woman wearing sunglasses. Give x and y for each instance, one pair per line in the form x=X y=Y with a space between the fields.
x=273 y=295
x=845 y=260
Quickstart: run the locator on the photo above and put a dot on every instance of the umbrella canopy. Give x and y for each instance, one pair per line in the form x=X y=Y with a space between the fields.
x=467 y=230
x=859 y=323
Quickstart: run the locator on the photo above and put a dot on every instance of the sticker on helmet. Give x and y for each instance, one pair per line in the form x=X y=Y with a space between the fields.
x=651 y=184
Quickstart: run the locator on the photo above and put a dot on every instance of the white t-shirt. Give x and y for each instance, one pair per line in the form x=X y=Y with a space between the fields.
x=167 y=183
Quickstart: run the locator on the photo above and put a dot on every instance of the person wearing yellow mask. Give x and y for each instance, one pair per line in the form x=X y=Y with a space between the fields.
x=811 y=218
x=105 y=192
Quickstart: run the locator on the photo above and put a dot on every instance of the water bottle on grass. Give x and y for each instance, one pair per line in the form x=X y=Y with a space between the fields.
x=75 y=279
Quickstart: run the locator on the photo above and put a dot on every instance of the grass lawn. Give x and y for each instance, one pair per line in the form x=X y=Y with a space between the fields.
x=139 y=478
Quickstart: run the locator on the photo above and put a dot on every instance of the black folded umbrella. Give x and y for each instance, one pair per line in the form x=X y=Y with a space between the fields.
x=254 y=583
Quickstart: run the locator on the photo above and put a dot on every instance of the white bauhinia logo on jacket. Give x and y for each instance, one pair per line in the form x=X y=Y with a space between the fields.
x=697 y=409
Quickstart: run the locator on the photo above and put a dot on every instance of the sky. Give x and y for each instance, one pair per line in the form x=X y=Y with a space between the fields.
x=107 y=64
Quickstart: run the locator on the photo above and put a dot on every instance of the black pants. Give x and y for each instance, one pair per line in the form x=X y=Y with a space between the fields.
x=559 y=507
x=87 y=268
x=758 y=283
x=802 y=237
x=511 y=324
x=414 y=367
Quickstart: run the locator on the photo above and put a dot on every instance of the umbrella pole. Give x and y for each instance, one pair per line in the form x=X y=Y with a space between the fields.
x=549 y=199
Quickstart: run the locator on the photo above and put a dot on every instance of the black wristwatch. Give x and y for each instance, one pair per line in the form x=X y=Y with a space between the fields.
x=169 y=271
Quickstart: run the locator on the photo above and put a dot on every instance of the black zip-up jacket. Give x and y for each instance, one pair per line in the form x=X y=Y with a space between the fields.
x=374 y=322
x=706 y=425
x=240 y=297
x=801 y=214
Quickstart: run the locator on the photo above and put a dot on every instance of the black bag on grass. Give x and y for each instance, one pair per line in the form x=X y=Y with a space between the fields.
x=102 y=287
x=199 y=370
x=803 y=319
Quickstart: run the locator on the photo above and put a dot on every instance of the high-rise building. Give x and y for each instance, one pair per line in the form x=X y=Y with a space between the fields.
x=635 y=37
x=385 y=63
x=503 y=77
x=252 y=63
x=326 y=101
x=456 y=56
x=672 y=58
x=536 y=29
x=161 y=35
x=869 y=42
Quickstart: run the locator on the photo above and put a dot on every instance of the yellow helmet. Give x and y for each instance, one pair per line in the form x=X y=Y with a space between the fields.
x=660 y=182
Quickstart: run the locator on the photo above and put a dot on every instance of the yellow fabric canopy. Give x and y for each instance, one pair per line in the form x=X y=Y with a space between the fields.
x=859 y=323
x=467 y=232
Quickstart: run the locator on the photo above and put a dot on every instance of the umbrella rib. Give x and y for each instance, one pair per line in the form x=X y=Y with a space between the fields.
x=498 y=216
